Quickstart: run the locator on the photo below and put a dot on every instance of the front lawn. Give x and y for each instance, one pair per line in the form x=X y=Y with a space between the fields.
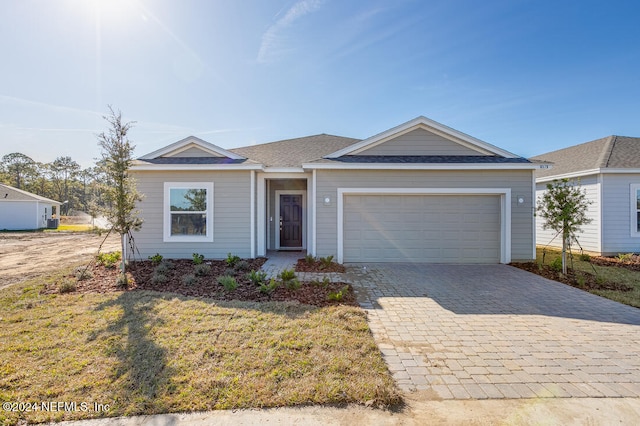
x=146 y=352
x=606 y=278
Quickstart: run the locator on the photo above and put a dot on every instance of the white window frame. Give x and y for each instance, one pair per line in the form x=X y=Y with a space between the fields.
x=635 y=188
x=167 y=237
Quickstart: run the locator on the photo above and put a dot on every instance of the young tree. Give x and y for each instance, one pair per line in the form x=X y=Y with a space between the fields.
x=121 y=195
x=564 y=209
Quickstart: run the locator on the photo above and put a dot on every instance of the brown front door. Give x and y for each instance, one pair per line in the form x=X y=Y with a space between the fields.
x=290 y=220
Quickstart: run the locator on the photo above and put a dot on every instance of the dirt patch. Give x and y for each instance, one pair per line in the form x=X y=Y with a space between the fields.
x=578 y=279
x=25 y=255
x=142 y=273
x=317 y=266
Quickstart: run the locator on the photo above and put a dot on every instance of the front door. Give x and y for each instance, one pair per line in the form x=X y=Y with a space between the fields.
x=290 y=220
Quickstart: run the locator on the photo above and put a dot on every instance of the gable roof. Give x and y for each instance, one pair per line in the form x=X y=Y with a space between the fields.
x=432 y=126
x=612 y=152
x=9 y=193
x=294 y=152
x=187 y=143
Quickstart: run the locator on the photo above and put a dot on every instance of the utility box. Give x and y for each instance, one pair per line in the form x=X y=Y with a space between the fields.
x=53 y=223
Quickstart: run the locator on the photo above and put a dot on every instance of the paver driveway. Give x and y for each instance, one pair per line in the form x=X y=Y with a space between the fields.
x=494 y=331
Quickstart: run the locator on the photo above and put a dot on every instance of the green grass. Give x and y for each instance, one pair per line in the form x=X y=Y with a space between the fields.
x=72 y=228
x=610 y=273
x=145 y=352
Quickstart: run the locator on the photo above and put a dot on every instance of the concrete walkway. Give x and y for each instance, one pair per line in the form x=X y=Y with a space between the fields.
x=494 y=331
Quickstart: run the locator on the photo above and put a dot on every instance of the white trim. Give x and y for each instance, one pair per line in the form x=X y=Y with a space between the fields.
x=314 y=213
x=252 y=208
x=588 y=172
x=600 y=198
x=422 y=166
x=284 y=170
x=305 y=211
x=505 y=209
x=167 y=237
x=261 y=217
x=190 y=141
x=534 y=203
x=200 y=167
x=427 y=124
x=633 y=193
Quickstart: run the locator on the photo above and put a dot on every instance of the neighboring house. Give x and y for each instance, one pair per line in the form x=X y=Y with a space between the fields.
x=22 y=210
x=419 y=192
x=608 y=169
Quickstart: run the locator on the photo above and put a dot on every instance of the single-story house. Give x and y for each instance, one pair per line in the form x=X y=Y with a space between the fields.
x=22 y=210
x=419 y=192
x=608 y=170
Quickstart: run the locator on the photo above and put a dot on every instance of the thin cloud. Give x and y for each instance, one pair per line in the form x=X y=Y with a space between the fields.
x=271 y=38
x=57 y=108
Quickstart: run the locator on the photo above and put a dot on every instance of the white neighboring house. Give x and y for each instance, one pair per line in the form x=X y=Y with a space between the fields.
x=608 y=169
x=22 y=210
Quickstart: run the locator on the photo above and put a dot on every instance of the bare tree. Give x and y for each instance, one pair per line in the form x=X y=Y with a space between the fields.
x=121 y=195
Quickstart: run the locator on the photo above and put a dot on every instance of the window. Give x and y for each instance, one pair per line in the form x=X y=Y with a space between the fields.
x=635 y=210
x=188 y=211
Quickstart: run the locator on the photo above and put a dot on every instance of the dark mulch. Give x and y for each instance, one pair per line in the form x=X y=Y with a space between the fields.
x=632 y=263
x=578 y=279
x=303 y=266
x=141 y=274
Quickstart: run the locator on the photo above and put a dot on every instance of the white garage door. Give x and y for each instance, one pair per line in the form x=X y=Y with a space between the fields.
x=422 y=228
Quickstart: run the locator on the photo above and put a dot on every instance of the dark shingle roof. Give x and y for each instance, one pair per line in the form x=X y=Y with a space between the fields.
x=467 y=159
x=294 y=152
x=610 y=152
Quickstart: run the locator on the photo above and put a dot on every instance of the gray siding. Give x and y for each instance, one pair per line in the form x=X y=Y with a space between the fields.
x=589 y=237
x=617 y=214
x=195 y=152
x=520 y=182
x=231 y=214
x=419 y=142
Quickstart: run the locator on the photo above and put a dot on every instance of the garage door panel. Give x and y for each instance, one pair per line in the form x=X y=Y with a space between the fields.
x=422 y=228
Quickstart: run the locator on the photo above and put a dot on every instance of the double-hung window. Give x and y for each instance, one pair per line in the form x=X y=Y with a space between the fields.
x=635 y=210
x=188 y=211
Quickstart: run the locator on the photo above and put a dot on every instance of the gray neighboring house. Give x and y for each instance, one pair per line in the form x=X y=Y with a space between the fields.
x=21 y=210
x=608 y=169
x=419 y=192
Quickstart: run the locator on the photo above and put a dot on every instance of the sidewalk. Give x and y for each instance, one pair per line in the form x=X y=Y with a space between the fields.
x=553 y=411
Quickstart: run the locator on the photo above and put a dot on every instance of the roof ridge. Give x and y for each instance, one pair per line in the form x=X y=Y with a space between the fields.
x=605 y=155
x=293 y=139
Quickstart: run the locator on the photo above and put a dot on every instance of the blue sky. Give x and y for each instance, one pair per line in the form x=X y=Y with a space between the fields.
x=527 y=76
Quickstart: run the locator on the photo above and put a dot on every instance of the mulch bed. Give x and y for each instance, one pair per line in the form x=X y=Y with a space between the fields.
x=303 y=266
x=140 y=273
x=578 y=279
x=633 y=263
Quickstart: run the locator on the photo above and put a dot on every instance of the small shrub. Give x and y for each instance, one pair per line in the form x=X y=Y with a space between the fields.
x=268 y=288
x=310 y=259
x=228 y=282
x=325 y=262
x=156 y=258
x=159 y=278
x=198 y=259
x=584 y=257
x=232 y=260
x=257 y=277
x=556 y=265
x=82 y=273
x=337 y=296
x=242 y=265
x=189 y=279
x=324 y=283
x=293 y=284
x=580 y=280
x=109 y=260
x=122 y=281
x=625 y=257
x=230 y=271
x=67 y=286
x=163 y=267
x=287 y=275
x=202 y=269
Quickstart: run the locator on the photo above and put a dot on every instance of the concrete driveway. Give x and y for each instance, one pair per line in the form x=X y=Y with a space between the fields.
x=494 y=331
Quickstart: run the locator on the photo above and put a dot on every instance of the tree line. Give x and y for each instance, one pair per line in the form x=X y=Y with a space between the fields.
x=61 y=180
